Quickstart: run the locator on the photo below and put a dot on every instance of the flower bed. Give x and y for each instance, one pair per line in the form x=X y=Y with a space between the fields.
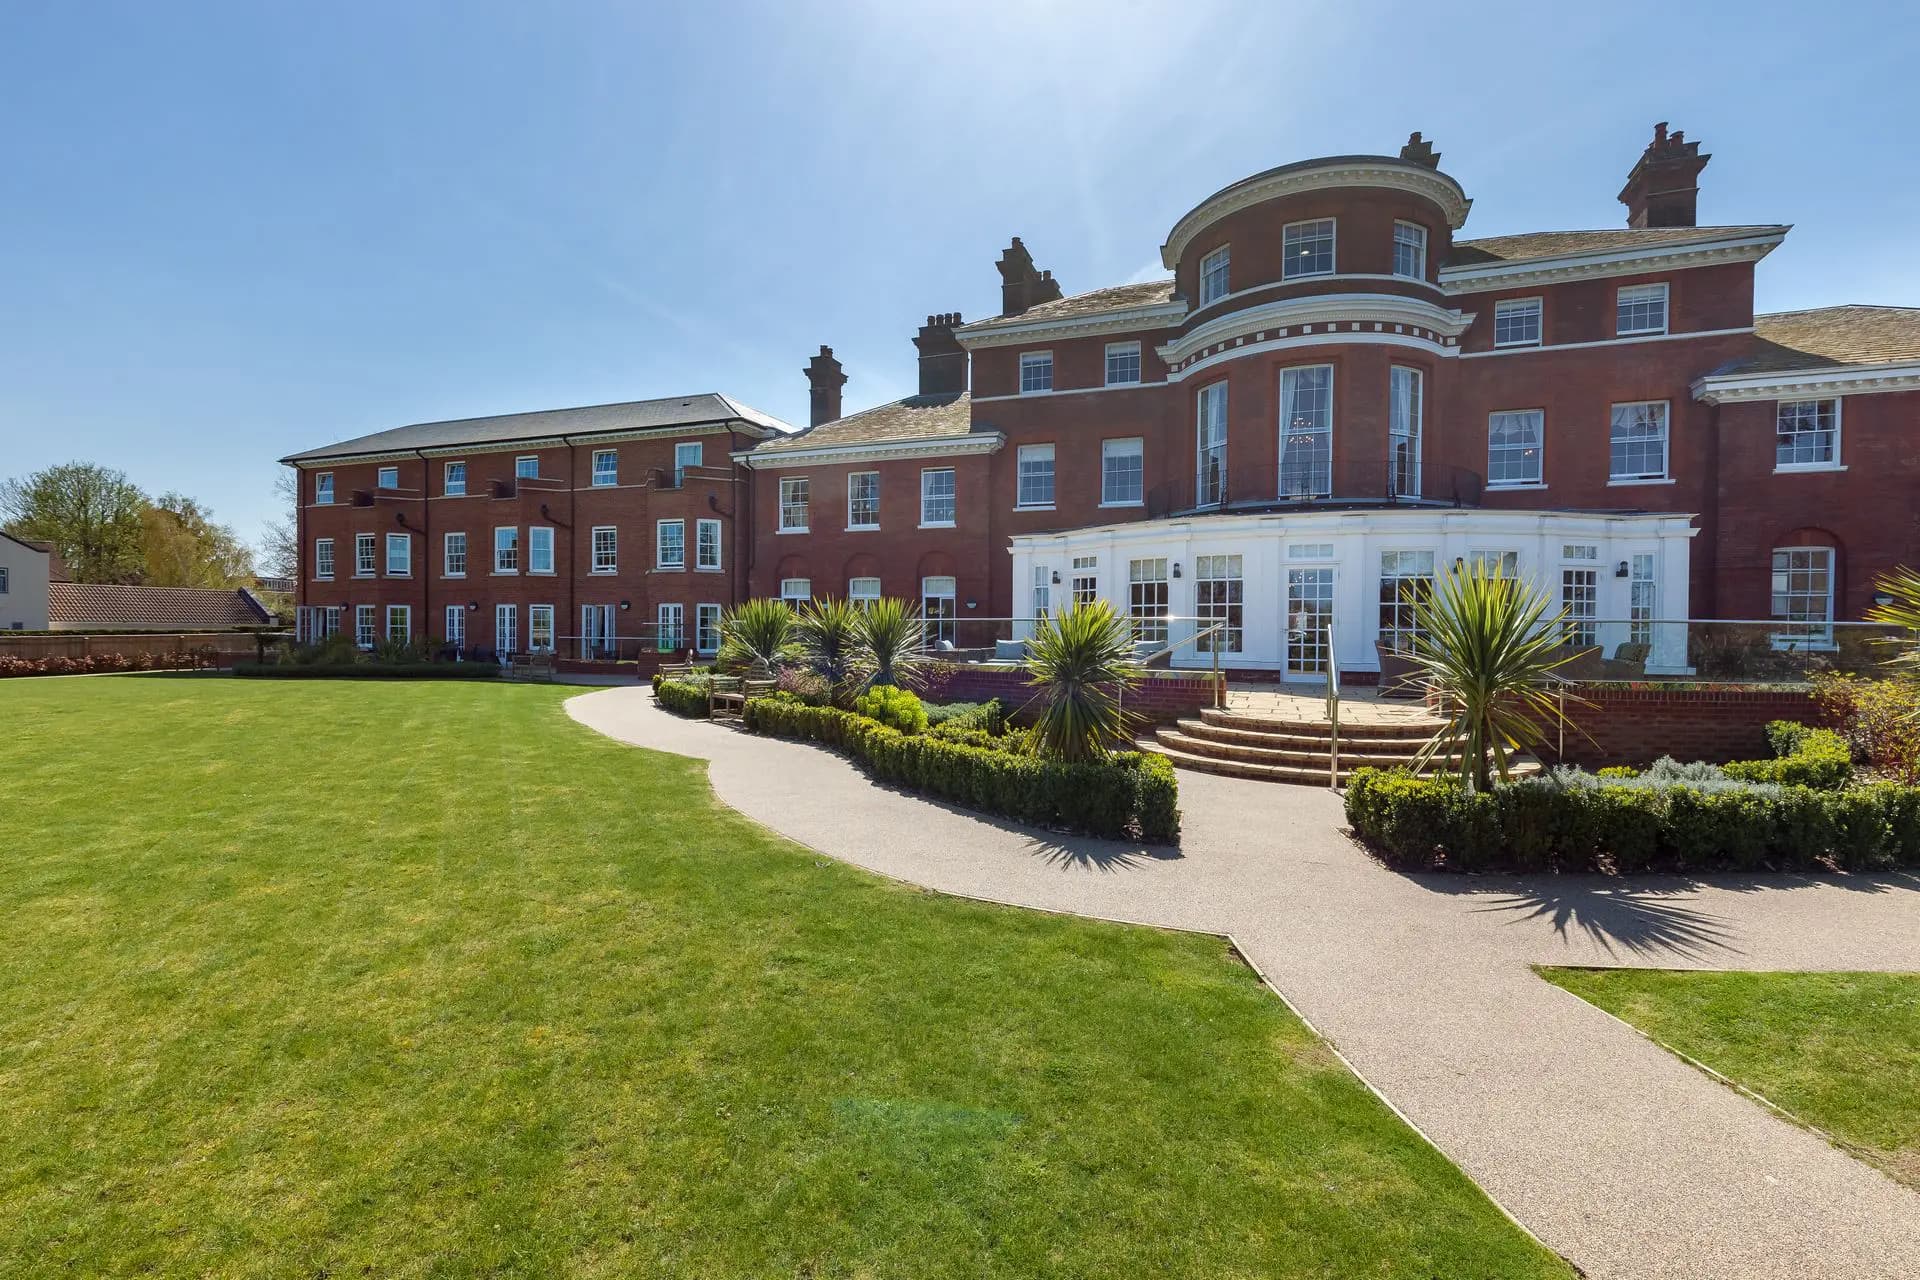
x=1128 y=795
x=368 y=671
x=185 y=660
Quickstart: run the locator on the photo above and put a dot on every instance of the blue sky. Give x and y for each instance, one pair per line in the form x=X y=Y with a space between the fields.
x=232 y=231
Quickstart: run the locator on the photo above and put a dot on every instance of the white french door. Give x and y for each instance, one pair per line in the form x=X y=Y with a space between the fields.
x=505 y=633
x=1309 y=617
x=597 y=636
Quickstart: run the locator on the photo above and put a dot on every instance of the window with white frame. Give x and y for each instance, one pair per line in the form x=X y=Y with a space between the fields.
x=1034 y=481
x=1122 y=483
x=706 y=545
x=1306 y=431
x=1210 y=453
x=506 y=629
x=453 y=480
x=1085 y=583
x=323 y=488
x=793 y=504
x=1803 y=593
x=672 y=622
x=1036 y=372
x=1516 y=322
x=706 y=628
x=796 y=591
x=1310 y=551
x=1640 y=308
x=863 y=500
x=364 y=550
x=1642 y=598
x=527 y=467
x=1406 y=395
x=1515 y=447
x=1580 y=599
x=329 y=618
x=453 y=628
x=606 y=549
x=1307 y=249
x=399 y=555
x=365 y=623
x=323 y=558
x=540 y=549
x=1806 y=433
x=1214 y=269
x=670 y=544
x=863 y=591
x=540 y=628
x=506 y=550
x=387 y=478
x=1147 y=599
x=1405 y=577
x=1218 y=600
x=1123 y=363
x=937 y=612
x=606 y=467
x=1042 y=591
x=1410 y=250
x=1504 y=565
x=937 y=497
x=1638 y=449
x=399 y=623
x=686 y=456
x=1579 y=551
x=453 y=555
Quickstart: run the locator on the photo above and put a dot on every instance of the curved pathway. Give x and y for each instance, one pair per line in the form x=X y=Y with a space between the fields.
x=1614 y=1152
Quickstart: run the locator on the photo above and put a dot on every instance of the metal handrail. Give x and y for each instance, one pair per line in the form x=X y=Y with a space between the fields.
x=1333 y=711
x=1219 y=686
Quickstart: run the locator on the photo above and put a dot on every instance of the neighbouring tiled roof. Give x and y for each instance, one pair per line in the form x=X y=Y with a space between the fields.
x=116 y=605
x=634 y=415
x=1536 y=245
x=1830 y=338
x=56 y=567
x=1120 y=297
x=914 y=418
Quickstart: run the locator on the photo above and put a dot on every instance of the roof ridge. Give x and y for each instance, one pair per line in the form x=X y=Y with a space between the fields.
x=1835 y=306
x=1588 y=231
x=528 y=413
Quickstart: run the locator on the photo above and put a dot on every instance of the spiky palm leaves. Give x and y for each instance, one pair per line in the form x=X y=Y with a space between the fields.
x=1487 y=645
x=889 y=635
x=1081 y=659
x=758 y=635
x=829 y=635
x=1903 y=611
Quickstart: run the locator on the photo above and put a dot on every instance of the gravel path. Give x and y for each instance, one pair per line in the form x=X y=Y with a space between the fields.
x=1610 y=1149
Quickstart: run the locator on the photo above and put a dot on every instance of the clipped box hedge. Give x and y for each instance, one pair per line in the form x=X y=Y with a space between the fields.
x=1129 y=795
x=368 y=671
x=682 y=697
x=1537 y=825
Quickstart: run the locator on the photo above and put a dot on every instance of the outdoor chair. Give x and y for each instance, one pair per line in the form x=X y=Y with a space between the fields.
x=1400 y=675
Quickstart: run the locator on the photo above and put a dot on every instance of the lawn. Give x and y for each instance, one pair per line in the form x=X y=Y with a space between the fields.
x=1838 y=1051
x=427 y=980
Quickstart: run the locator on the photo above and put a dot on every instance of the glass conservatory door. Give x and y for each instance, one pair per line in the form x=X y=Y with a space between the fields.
x=1309 y=614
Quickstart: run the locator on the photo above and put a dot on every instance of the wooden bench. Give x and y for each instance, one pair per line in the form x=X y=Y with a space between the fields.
x=530 y=666
x=677 y=670
x=728 y=694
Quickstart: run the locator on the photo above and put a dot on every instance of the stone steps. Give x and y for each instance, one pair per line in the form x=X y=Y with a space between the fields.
x=1282 y=749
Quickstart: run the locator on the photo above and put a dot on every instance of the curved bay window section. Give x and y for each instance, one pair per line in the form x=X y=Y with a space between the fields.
x=1306 y=432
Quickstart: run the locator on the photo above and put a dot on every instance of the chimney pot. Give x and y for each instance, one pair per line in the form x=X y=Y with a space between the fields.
x=1022 y=285
x=1663 y=190
x=824 y=379
x=943 y=361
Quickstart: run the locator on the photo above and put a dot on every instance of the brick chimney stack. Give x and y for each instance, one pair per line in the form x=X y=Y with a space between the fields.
x=1664 y=188
x=1021 y=284
x=826 y=379
x=943 y=361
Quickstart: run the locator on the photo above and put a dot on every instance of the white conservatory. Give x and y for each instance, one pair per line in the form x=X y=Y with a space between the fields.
x=1286 y=583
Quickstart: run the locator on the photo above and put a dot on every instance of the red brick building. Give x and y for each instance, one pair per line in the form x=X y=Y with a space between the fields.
x=1333 y=395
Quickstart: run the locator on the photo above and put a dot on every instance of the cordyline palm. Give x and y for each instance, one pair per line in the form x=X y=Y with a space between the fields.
x=1488 y=647
x=1081 y=659
x=758 y=634
x=889 y=634
x=1903 y=584
x=829 y=635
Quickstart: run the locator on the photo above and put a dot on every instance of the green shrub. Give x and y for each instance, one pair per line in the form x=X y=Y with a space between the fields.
x=1817 y=758
x=1125 y=795
x=682 y=697
x=1784 y=736
x=368 y=671
x=990 y=716
x=892 y=706
x=1618 y=771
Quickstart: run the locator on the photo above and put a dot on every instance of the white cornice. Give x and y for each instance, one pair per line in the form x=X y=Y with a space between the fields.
x=1330 y=316
x=874 y=451
x=1615 y=262
x=1801 y=384
x=995 y=333
x=1381 y=172
x=1606 y=342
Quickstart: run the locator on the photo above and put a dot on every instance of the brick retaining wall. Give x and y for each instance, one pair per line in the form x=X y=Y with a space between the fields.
x=1633 y=724
x=1159 y=698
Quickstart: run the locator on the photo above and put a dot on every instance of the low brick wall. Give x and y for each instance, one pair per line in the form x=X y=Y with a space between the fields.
x=1162 y=698
x=1635 y=724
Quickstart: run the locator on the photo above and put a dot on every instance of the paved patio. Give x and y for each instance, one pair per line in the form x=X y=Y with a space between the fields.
x=1613 y=1151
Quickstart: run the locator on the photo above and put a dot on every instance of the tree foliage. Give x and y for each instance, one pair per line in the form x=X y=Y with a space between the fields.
x=758 y=635
x=183 y=547
x=91 y=515
x=891 y=639
x=1081 y=659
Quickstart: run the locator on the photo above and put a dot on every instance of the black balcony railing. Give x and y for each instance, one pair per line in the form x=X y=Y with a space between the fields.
x=1338 y=483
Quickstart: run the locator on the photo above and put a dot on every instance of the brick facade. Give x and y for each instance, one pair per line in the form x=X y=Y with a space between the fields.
x=1629 y=725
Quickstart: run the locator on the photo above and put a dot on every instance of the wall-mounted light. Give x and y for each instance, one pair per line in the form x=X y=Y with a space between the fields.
x=972 y=605
x=1056 y=577
x=1621 y=570
x=1176 y=568
x=625 y=605
x=473 y=606
x=1883 y=598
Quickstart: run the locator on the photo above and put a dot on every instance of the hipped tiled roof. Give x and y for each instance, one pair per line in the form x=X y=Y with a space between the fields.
x=1120 y=297
x=1831 y=338
x=112 y=605
x=1536 y=245
x=914 y=418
